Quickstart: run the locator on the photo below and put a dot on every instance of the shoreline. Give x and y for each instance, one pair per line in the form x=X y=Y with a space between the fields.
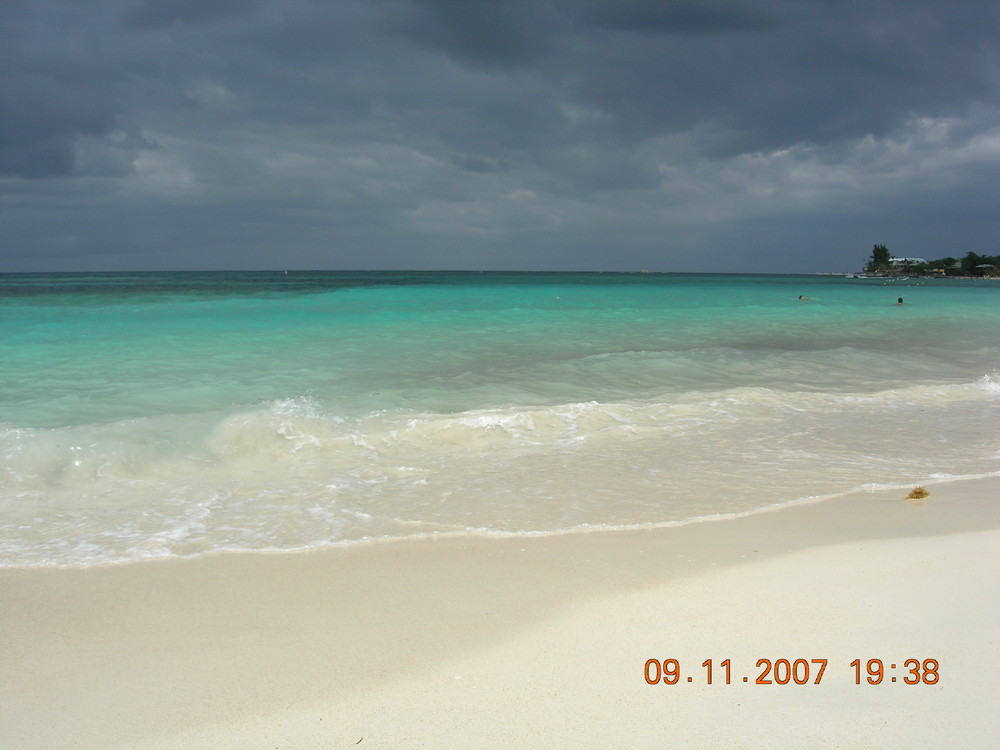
x=540 y=640
x=491 y=534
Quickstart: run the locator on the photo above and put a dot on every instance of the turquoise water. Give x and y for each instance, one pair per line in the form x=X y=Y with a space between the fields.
x=172 y=414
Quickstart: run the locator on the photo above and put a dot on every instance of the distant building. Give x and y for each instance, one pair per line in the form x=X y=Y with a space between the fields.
x=906 y=262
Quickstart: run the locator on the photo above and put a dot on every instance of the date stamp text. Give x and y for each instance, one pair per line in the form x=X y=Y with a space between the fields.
x=792 y=672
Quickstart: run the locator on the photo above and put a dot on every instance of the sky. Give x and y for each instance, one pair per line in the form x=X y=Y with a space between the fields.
x=618 y=135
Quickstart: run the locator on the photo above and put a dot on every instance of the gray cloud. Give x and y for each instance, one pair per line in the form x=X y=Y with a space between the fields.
x=684 y=18
x=516 y=133
x=494 y=35
x=155 y=14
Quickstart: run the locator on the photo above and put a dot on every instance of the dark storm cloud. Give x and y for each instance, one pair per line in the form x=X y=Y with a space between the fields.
x=794 y=72
x=48 y=97
x=40 y=121
x=483 y=134
x=771 y=73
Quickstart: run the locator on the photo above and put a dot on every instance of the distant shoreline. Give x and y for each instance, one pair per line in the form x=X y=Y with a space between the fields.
x=916 y=278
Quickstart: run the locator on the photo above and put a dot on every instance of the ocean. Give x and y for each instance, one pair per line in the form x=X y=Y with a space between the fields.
x=173 y=414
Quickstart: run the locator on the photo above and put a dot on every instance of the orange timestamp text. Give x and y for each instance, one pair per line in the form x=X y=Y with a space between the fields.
x=794 y=672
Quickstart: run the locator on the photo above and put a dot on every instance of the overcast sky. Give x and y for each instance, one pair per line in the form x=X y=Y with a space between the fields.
x=708 y=135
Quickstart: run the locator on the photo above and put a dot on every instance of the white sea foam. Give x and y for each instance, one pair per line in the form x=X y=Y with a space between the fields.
x=290 y=474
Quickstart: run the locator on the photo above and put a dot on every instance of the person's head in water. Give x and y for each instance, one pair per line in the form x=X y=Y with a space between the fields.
x=899 y=301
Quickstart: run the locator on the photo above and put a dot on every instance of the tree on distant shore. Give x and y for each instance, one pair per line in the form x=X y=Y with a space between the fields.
x=946 y=264
x=971 y=260
x=880 y=259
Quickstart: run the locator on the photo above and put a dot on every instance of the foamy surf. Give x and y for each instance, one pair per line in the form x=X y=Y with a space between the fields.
x=290 y=474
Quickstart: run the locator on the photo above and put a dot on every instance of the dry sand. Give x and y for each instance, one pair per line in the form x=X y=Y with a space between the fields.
x=531 y=642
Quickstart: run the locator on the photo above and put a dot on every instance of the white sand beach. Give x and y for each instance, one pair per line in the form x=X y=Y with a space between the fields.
x=530 y=642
